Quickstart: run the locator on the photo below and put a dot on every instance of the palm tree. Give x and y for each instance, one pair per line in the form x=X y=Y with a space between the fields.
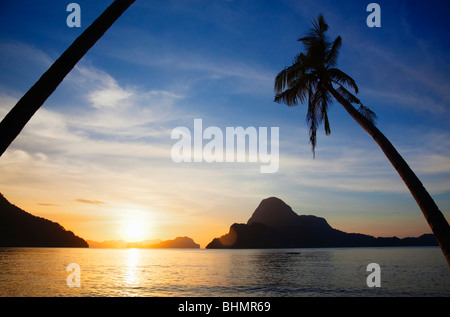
x=35 y=97
x=313 y=76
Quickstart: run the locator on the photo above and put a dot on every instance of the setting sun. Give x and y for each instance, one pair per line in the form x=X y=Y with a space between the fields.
x=133 y=231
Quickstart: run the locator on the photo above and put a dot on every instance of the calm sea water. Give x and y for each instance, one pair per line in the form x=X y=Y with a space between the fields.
x=199 y=272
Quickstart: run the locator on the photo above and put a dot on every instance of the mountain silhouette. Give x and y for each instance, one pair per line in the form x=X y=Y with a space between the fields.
x=179 y=242
x=273 y=212
x=120 y=244
x=275 y=225
x=19 y=228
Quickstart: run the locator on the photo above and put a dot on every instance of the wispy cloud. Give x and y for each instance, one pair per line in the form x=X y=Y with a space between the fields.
x=48 y=205
x=423 y=88
x=90 y=202
x=25 y=53
x=196 y=68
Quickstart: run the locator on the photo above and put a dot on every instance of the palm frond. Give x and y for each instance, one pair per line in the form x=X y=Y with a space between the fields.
x=319 y=99
x=316 y=33
x=319 y=26
x=288 y=75
x=307 y=40
x=292 y=95
x=312 y=120
x=333 y=53
x=323 y=100
x=347 y=95
x=280 y=80
x=368 y=114
x=289 y=97
x=327 y=125
x=301 y=59
x=296 y=91
x=341 y=78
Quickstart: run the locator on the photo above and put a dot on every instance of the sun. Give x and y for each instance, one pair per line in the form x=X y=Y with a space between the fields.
x=133 y=231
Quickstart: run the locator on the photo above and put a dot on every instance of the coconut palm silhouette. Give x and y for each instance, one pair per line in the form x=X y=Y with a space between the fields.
x=313 y=77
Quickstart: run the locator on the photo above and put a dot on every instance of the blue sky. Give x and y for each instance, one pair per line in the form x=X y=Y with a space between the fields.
x=97 y=154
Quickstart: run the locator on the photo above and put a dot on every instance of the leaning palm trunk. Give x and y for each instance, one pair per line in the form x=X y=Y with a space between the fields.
x=430 y=210
x=17 y=118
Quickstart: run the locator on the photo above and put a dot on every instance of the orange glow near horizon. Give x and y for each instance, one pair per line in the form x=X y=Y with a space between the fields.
x=116 y=220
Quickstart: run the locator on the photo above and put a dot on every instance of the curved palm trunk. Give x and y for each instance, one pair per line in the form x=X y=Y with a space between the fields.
x=430 y=210
x=25 y=108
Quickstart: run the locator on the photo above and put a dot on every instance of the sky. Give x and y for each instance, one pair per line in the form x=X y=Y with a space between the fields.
x=97 y=156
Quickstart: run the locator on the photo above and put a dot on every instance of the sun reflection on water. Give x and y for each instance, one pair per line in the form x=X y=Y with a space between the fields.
x=131 y=278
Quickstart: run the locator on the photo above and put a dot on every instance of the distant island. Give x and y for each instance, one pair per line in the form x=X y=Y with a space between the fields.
x=177 y=243
x=120 y=244
x=19 y=228
x=275 y=225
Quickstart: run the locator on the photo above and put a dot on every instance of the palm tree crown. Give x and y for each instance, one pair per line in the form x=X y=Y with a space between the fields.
x=311 y=76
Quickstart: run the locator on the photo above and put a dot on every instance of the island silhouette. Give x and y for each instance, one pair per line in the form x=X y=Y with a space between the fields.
x=275 y=225
x=19 y=228
x=177 y=243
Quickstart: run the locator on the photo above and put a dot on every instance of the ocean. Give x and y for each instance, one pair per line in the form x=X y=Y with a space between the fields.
x=330 y=272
